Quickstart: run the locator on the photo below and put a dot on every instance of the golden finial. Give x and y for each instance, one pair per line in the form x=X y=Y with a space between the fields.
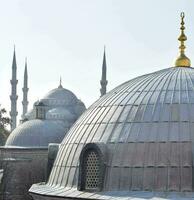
x=182 y=60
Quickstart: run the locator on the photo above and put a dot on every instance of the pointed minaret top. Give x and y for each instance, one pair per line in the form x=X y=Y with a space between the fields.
x=26 y=66
x=103 y=81
x=60 y=83
x=26 y=73
x=25 y=92
x=14 y=59
x=182 y=60
x=104 y=65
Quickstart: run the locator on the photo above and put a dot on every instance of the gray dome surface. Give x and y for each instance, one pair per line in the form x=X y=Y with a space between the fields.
x=61 y=113
x=62 y=109
x=37 y=133
x=147 y=125
x=60 y=104
x=61 y=93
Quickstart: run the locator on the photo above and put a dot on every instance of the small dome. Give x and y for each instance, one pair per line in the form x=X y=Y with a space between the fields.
x=37 y=133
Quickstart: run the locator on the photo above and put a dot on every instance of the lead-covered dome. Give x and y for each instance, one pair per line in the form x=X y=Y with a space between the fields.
x=60 y=96
x=37 y=133
x=58 y=103
x=138 y=137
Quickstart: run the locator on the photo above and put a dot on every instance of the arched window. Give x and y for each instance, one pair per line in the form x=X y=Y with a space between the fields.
x=92 y=167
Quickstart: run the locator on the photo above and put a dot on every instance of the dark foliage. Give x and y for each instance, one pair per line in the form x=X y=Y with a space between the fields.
x=4 y=121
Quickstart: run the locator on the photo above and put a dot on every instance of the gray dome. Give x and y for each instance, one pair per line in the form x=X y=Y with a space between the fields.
x=59 y=102
x=146 y=126
x=61 y=110
x=37 y=133
x=60 y=113
x=61 y=95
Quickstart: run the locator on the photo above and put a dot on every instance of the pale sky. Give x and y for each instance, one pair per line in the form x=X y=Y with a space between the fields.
x=66 y=38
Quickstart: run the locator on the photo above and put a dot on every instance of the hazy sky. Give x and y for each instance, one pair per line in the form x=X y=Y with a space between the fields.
x=66 y=38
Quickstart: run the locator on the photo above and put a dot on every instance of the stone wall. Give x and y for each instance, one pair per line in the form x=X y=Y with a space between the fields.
x=22 y=168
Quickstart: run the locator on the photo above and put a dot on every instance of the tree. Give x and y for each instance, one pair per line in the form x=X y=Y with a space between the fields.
x=4 y=121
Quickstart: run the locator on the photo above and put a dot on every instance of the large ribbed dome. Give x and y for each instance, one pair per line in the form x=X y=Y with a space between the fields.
x=146 y=128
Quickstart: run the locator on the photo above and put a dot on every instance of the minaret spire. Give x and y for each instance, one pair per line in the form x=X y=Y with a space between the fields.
x=103 y=80
x=25 y=91
x=13 y=96
x=182 y=60
x=60 y=83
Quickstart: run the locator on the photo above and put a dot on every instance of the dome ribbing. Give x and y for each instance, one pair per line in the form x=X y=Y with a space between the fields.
x=146 y=125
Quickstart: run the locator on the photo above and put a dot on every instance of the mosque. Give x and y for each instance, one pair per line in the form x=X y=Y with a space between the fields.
x=28 y=154
x=135 y=142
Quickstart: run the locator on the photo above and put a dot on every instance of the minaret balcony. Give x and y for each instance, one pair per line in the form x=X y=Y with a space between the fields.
x=13 y=113
x=25 y=89
x=13 y=97
x=13 y=81
x=103 y=82
x=25 y=103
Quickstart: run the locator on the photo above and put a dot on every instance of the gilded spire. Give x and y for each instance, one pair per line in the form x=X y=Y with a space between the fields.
x=182 y=60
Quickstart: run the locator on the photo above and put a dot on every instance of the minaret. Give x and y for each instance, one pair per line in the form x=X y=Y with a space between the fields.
x=25 y=92
x=13 y=96
x=103 y=81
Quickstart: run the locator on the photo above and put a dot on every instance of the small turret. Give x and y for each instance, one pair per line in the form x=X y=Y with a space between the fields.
x=40 y=110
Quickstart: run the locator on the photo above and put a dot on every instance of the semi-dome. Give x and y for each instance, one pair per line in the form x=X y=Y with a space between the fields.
x=138 y=137
x=36 y=133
